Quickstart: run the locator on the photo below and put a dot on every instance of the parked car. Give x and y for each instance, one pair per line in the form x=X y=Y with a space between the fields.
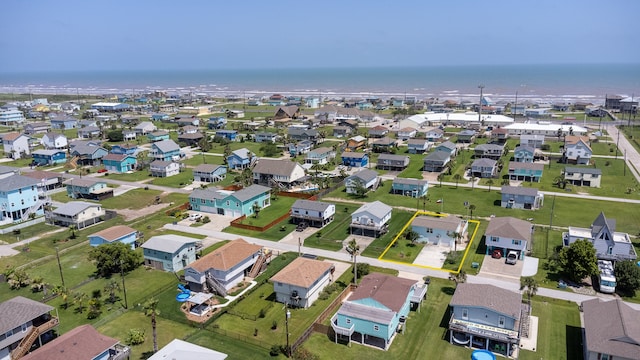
x=194 y=217
x=512 y=257
x=301 y=226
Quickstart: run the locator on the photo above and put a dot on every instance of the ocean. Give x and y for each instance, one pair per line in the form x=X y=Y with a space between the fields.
x=535 y=82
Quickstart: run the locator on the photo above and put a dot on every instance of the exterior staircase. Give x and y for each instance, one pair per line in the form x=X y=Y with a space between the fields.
x=32 y=210
x=73 y=163
x=31 y=337
x=259 y=264
x=215 y=285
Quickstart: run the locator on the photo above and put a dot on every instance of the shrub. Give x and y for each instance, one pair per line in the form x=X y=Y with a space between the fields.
x=262 y=313
x=274 y=325
x=135 y=337
x=452 y=257
x=275 y=350
x=206 y=220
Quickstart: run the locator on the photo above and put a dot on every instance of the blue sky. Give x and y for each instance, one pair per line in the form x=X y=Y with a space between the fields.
x=82 y=35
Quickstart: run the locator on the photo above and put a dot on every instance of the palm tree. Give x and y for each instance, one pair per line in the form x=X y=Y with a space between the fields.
x=490 y=182
x=353 y=248
x=459 y=277
x=440 y=177
x=530 y=285
x=79 y=298
x=505 y=182
x=471 y=209
x=473 y=181
x=63 y=292
x=457 y=178
x=112 y=287
x=457 y=236
x=151 y=309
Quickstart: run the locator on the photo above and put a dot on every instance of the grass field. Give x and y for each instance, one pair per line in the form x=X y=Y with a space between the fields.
x=331 y=236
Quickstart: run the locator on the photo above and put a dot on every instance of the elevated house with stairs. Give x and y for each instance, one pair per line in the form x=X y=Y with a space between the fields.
x=224 y=268
x=19 y=198
x=88 y=188
x=281 y=173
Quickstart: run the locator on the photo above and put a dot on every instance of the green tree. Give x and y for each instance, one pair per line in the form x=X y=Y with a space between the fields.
x=63 y=292
x=457 y=178
x=490 y=182
x=530 y=286
x=79 y=299
x=627 y=277
x=457 y=237
x=204 y=144
x=473 y=181
x=472 y=208
x=114 y=257
x=578 y=260
x=353 y=248
x=151 y=310
x=270 y=149
x=359 y=190
x=115 y=135
x=440 y=178
x=112 y=287
x=411 y=235
x=18 y=279
x=458 y=277
x=505 y=182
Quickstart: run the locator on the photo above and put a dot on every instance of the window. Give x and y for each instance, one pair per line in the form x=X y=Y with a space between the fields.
x=202 y=201
x=516 y=242
x=21 y=201
x=376 y=328
x=237 y=204
x=495 y=239
x=465 y=314
x=604 y=357
x=429 y=230
x=348 y=321
x=24 y=327
x=610 y=250
x=501 y=321
x=228 y=202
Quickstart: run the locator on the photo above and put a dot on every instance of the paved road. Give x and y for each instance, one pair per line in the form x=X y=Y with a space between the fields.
x=632 y=155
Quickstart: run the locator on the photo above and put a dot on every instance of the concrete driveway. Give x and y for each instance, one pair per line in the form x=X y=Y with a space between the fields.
x=499 y=269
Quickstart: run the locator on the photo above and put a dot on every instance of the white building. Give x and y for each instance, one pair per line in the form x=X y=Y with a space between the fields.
x=299 y=284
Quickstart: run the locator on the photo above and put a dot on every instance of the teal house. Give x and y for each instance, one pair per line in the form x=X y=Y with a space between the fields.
x=158 y=136
x=524 y=153
x=234 y=204
x=119 y=162
x=170 y=252
x=410 y=187
x=525 y=171
x=377 y=309
x=49 y=157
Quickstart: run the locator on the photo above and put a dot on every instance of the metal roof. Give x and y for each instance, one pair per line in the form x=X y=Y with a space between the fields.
x=168 y=243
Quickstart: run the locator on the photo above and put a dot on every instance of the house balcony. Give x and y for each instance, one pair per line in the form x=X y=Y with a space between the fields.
x=119 y=352
x=368 y=226
x=419 y=294
x=339 y=329
x=485 y=331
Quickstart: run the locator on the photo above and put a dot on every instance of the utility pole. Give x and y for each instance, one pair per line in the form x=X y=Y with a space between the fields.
x=617 y=143
x=124 y=289
x=515 y=107
x=299 y=245
x=287 y=315
x=59 y=266
x=480 y=104
x=553 y=205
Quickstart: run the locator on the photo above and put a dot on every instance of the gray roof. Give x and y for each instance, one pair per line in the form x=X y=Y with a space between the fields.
x=365 y=175
x=384 y=141
x=168 y=243
x=8 y=169
x=160 y=163
x=410 y=181
x=527 y=148
x=448 y=145
x=166 y=145
x=208 y=194
x=299 y=131
x=250 y=192
x=467 y=133
x=601 y=221
x=353 y=155
x=86 y=149
x=376 y=208
x=53 y=135
x=275 y=167
x=489 y=297
x=486 y=147
x=509 y=227
x=416 y=141
x=449 y=223
x=89 y=129
x=611 y=327
x=14 y=182
x=311 y=205
x=585 y=170
x=207 y=168
x=525 y=165
x=484 y=163
x=19 y=310
x=392 y=157
x=519 y=190
x=242 y=153
x=437 y=156
x=144 y=125
x=47 y=152
x=72 y=208
x=84 y=182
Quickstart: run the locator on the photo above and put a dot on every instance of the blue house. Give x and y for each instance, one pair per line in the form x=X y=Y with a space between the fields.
x=209 y=173
x=165 y=150
x=299 y=148
x=439 y=230
x=49 y=157
x=240 y=159
x=447 y=147
x=517 y=197
x=19 y=198
x=88 y=188
x=88 y=154
x=524 y=171
x=409 y=187
x=119 y=233
x=119 y=162
x=217 y=122
x=374 y=311
x=158 y=136
x=160 y=117
x=126 y=149
x=230 y=135
x=524 y=153
x=170 y=252
x=266 y=137
x=354 y=159
x=234 y=204
x=64 y=122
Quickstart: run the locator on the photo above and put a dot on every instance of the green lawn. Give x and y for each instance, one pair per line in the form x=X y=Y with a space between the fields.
x=132 y=199
x=633 y=135
x=133 y=176
x=275 y=233
x=279 y=206
x=398 y=220
x=28 y=232
x=183 y=179
x=414 y=170
x=199 y=159
x=332 y=235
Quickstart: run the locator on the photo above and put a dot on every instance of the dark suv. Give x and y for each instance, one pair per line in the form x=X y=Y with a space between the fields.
x=301 y=226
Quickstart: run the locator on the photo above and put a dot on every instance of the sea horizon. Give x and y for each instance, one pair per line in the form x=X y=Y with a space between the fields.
x=554 y=82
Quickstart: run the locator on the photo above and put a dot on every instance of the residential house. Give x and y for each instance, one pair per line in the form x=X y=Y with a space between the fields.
x=508 y=233
x=165 y=150
x=518 y=197
x=77 y=213
x=36 y=128
x=371 y=219
x=320 y=156
x=499 y=135
x=392 y=162
x=448 y=147
x=89 y=132
x=286 y=112
x=352 y=123
x=162 y=116
x=222 y=269
x=10 y=116
x=216 y=122
x=49 y=180
x=6 y=171
x=466 y=136
x=534 y=140
x=269 y=137
x=191 y=138
x=125 y=149
x=577 y=150
x=88 y=154
x=187 y=121
x=434 y=135
x=524 y=153
x=231 y=135
x=299 y=134
x=209 y=173
x=418 y=146
x=19 y=198
x=484 y=168
x=49 y=157
x=16 y=145
x=489 y=151
x=159 y=168
x=129 y=135
x=119 y=163
x=300 y=283
x=342 y=131
x=376 y=309
x=87 y=122
x=53 y=140
x=524 y=171
x=378 y=131
x=117 y=233
x=407 y=133
x=440 y=230
x=64 y=122
x=410 y=187
x=281 y=172
x=356 y=143
x=170 y=252
x=365 y=179
x=436 y=161
x=609 y=244
x=314 y=213
x=582 y=176
x=610 y=330
x=299 y=148
x=486 y=317
x=354 y=159
x=182 y=350
x=88 y=188
x=235 y=114
x=240 y=159
x=385 y=144
x=158 y=135
x=231 y=203
x=25 y=322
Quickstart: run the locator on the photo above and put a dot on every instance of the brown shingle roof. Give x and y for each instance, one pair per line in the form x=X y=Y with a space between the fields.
x=388 y=290
x=226 y=257
x=83 y=342
x=302 y=272
x=11 y=136
x=488 y=296
x=612 y=327
x=114 y=232
x=509 y=227
x=39 y=174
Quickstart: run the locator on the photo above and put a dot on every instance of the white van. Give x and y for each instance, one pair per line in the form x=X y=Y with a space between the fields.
x=194 y=217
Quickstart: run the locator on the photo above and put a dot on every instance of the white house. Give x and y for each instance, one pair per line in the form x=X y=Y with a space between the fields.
x=609 y=243
x=53 y=140
x=508 y=233
x=144 y=128
x=407 y=133
x=284 y=172
x=366 y=178
x=371 y=219
x=300 y=282
x=164 y=168
x=577 y=149
x=314 y=213
x=78 y=213
x=16 y=145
